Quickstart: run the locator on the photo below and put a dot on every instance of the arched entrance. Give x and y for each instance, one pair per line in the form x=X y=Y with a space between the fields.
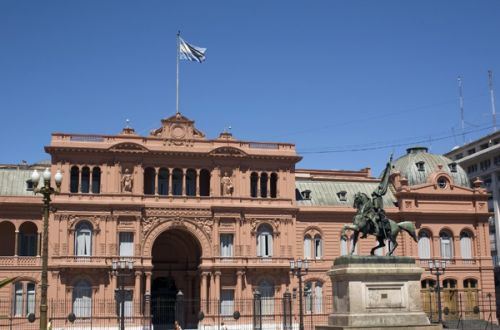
x=175 y=281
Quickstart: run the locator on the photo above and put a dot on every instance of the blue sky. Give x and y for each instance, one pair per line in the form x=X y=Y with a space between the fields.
x=348 y=81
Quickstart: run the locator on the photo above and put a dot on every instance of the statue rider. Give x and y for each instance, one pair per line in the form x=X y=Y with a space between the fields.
x=380 y=220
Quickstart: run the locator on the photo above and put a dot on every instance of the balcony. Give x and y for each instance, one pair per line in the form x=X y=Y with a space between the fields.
x=17 y=261
x=253 y=262
x=450 y=262
x=88 y=261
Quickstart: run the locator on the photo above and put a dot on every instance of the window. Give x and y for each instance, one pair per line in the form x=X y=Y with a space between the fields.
x=446 y=245
x=420 y=166
x=307 y=247
x=442 y=182
x=96 y=180
x=265 y=241
x=163 y=181
x=428 y=284
x=226 y=245
x=351 y=243
x=453 y=167
x=465 y=245
x=484 y=146
x=471 y=168
x=74 y=178
x=496 y=160
x=24 y=298
x=83 y=239
x=82 y=299
x=28 y=239
x=318 y=248
x=266 y=290
x=177 y=182
x=424 y=245
x=128 y=302
x=204 y=182
x=459 y=156
x=274 y=185
x=191 y=182
x=313 y=296
x=471 y=151
x=342 y=196
x=470 y=283
x=227 y=302
x=149 y=181
x=29 y=185
x=263 y=185
x=485 y=164
x=254 y=178
x=85 y=186
x=126 y=244
x=344 y=250
x=450 y=283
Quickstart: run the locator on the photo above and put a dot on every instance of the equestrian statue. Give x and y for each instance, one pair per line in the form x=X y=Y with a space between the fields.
x=371 y=219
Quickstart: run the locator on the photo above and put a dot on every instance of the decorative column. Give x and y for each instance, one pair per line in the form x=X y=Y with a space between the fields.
x=16 y=243
x=217 y=284
x=268 y=193
x=90 y=180
x=157 y=184
x=148 y=283
x=457 y=253
x=239 y=285
x=147 y=295
x=137 y=286
x=197 y=182
x=79 y=179
x=170 y=175
x=184 y=182
x=436 y=244
x=203 y=291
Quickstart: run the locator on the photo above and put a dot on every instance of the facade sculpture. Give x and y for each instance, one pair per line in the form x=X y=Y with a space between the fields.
x=227 y=185
x=127 y=181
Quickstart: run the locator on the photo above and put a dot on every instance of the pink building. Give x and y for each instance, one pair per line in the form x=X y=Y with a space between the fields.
x=218 y=219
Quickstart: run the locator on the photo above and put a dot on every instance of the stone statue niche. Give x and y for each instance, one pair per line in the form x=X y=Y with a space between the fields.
x=226 y=183
x=127 y=180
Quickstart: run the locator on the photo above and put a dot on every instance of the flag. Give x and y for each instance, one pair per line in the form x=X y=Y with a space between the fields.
x=190 y=52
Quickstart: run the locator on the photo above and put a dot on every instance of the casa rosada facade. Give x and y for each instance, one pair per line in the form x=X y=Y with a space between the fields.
x=218 y=219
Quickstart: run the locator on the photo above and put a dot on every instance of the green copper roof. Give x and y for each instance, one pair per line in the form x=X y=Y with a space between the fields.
x=407 y=166
x=326 y=193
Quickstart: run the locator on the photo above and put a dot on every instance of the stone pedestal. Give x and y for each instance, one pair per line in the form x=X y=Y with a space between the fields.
x=376 y=293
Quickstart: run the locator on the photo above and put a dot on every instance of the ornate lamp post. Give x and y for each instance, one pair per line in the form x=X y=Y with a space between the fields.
x=300 y=268
x=46 y=191
x=121 y=268
x=438 y=267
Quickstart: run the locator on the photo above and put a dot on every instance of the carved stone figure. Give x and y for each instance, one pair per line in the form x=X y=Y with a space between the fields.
x=227 y=185
x=371 y=218
x=127 y=181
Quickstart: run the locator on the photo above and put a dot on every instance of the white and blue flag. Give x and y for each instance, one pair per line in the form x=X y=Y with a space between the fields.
x=190 y=52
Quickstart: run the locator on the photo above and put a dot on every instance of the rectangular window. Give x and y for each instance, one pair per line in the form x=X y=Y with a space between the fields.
x=471 y=151
x=126 y=244
x=227 y=302
x=30 y=298
x=317 y=248
x=18 y=299
x=127 y=301
x=226 y=245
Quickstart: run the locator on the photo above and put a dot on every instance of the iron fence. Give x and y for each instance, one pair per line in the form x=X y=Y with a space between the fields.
x=460 y=309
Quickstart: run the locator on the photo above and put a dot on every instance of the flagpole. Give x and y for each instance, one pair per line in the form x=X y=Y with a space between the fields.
x=177 y=82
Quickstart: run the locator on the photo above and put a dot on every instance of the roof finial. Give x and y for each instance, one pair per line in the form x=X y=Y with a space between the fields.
x=127 y=123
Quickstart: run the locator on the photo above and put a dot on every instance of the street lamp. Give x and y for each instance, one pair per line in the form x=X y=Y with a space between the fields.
x=45 y=191
x=438 y=267
x=300 y=268
x=121 y=268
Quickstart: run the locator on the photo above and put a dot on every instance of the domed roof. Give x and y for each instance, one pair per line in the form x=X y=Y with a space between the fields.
x=417 y=165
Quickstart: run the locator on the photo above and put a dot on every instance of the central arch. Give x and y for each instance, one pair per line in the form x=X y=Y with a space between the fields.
x=176 y=256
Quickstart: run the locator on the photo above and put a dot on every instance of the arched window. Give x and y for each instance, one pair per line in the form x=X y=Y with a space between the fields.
x=313 y=296
x=163 y=181
x=149 y=181
x=263 y=185
x=318 y=247
x=307 y=247
x=85 y=180
x=428 y=284
x=204 y=182
x=308 y=297
x=265 y=241
x=266 y=290
x=24 y=298
x=82 y=299
x=27 y=245
x=318 y=297
x=191 y=182
x=83 y=239
x=274 y=185
x=465 y=245
x=344 y=249
x=254 y=177
x=470 y=283
x=424 y=245
x=177 y=182
x=7 y=238
x=446 y=245
x=450 y=283
x=73 y=179
x=96 y=180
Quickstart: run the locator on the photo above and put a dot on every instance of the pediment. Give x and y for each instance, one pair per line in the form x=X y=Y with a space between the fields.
x=178 y=127
x=228 y=152
x=128 y=147
x=433 y=188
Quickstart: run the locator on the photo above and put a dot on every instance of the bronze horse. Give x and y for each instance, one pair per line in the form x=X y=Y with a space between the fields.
x=363 y=223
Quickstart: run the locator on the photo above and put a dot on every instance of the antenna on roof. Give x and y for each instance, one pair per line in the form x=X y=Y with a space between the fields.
x=127 y=123
x=461 y=96
x=492 y=96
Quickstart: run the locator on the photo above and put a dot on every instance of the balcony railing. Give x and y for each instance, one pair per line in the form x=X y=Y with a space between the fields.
x=449 y=262
x=254 y=261
x=94 y=261
x=20 y=261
